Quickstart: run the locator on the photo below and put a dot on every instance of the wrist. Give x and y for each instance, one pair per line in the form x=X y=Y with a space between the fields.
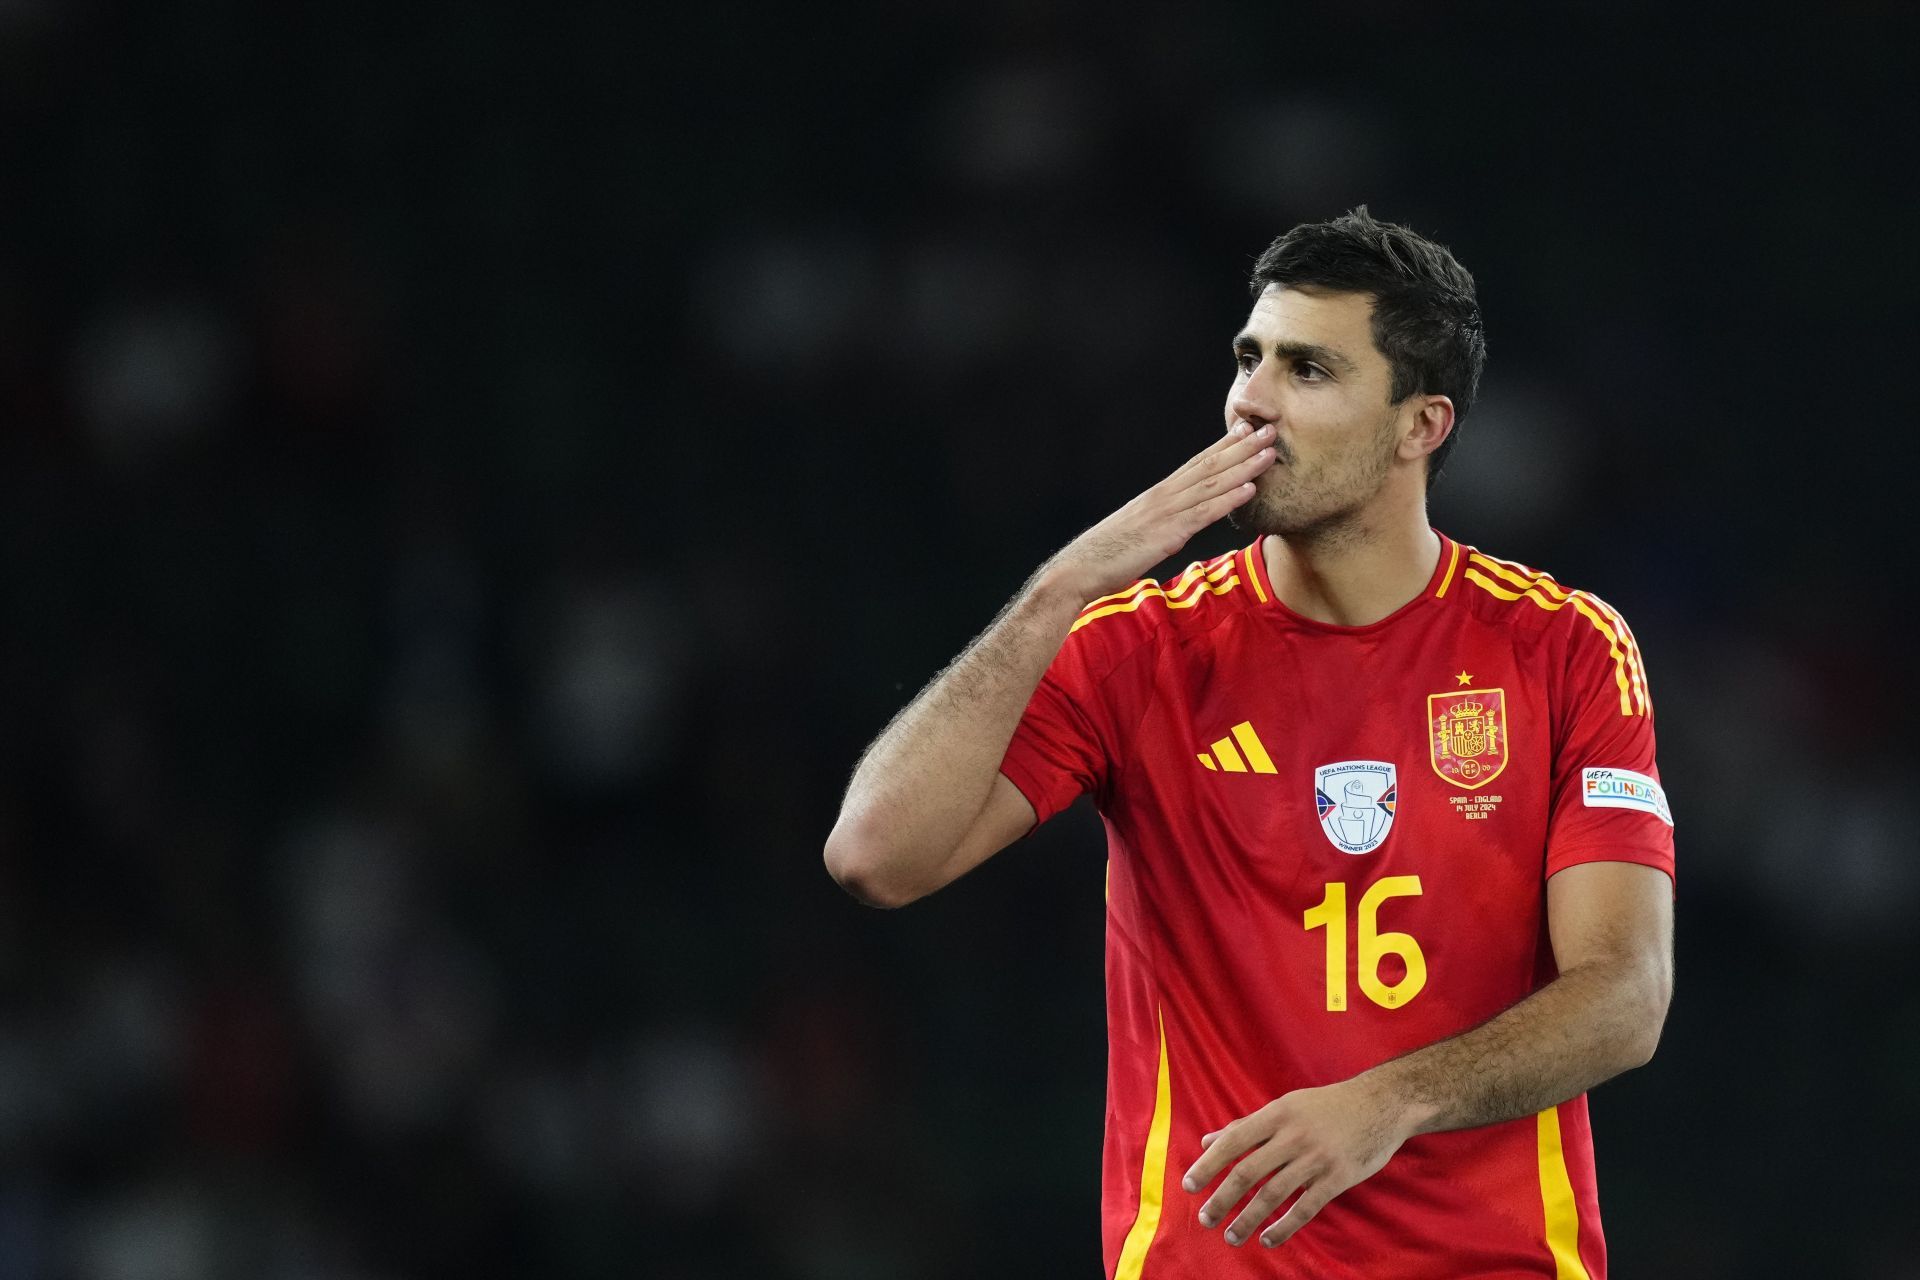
x=1405 y=1112
x=1418 y=1116
x=1053 y=590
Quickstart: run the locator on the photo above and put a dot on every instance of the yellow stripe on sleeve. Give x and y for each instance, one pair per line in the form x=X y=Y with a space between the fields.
x=1153 y=1170
x=1628 y=706
x=1515 y=572
x=1560 y=599
x=1636 y=665
x=1204 y=589
x=1129 y=593
x=1149 y=591
x=1211 y=570
x=1561 y=1210
x=1530 y=593
x=1191 y=588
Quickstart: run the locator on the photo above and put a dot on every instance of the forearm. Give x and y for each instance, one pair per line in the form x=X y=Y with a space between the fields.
x=1586 y=1026
x=921 y=783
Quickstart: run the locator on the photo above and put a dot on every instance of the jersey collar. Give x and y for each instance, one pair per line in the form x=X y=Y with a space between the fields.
x=1446 y=569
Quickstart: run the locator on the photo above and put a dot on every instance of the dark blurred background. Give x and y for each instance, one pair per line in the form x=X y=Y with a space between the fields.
x=474 y=477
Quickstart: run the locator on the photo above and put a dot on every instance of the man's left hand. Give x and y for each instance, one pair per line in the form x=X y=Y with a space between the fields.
x=1320 y=1141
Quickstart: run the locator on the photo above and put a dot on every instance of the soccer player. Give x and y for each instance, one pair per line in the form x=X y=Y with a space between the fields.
x=1389 y=862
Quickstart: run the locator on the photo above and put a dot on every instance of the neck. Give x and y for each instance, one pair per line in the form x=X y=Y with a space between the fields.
x=1355 y=575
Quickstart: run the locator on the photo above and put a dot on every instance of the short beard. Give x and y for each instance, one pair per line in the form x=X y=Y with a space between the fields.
x=1326 y=531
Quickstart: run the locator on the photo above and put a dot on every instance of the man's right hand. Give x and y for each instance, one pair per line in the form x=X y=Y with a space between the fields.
x=1120 y=549
x=927 y=801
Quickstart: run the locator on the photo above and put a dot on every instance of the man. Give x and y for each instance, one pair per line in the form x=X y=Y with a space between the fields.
x=1389 y=873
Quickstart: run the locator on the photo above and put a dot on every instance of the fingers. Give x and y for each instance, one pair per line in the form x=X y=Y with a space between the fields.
x=1214 y=449
x=1237 y=1184
x=1218 y=1206
x=1161 y=519
x=1219 y=1151
x=1252 y=465
x=1227 y=471
x=1311 y=1201
x=1229 y=448
x=1242 y=443
x=1194 y=514
x=1282 y=1184
x=1213 y=508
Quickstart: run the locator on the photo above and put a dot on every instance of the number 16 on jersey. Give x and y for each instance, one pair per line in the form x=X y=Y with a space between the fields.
x=1375 y=946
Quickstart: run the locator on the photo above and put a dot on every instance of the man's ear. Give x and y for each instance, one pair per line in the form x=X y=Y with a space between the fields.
x=1431 y=424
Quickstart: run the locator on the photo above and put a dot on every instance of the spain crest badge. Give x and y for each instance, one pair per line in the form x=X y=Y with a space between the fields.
x=1467 y=735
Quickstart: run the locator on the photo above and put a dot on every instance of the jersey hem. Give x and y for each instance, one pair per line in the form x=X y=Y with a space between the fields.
x=1025 y=784
x=1560 y=860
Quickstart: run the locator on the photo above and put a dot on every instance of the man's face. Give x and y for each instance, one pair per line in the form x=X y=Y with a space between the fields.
x=1306 y=363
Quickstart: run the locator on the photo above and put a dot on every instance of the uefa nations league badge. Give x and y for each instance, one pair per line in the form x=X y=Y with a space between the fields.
x=1355 y=799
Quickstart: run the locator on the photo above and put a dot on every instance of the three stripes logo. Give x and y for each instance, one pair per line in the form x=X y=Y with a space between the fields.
x=1249 y=757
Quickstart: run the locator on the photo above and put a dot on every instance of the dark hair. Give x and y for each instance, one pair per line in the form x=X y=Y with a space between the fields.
x=1426 y=320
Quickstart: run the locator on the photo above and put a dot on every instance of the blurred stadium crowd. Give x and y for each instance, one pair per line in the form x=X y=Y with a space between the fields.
x=471 y=482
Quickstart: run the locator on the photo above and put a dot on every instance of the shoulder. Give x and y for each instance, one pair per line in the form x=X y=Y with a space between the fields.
x=1176 y=608
x=1570 y=623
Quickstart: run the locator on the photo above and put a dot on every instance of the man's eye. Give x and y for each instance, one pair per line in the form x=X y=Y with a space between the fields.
x=1311 y=372
x=1246 y=361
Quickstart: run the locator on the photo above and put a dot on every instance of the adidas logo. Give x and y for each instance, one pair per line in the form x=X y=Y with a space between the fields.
x=1250 y=755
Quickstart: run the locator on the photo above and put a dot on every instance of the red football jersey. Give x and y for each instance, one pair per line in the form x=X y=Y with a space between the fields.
x=1328 y=846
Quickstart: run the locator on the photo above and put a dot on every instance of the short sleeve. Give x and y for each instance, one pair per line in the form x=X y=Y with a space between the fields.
x=1070 y=733
x=1608 y=804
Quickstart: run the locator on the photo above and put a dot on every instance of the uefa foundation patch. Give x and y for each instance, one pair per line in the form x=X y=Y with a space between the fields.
x=1624 y=789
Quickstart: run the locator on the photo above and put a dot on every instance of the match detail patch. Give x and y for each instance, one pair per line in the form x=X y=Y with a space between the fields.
x=1624 y=789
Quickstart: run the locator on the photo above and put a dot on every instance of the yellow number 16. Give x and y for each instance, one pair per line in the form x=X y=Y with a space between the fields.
x=1331 y=915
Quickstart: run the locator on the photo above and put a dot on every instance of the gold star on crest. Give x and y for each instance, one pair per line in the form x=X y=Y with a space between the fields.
x=1464 y=678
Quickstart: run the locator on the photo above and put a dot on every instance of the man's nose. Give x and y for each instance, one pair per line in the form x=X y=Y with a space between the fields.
x=1252 y=408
